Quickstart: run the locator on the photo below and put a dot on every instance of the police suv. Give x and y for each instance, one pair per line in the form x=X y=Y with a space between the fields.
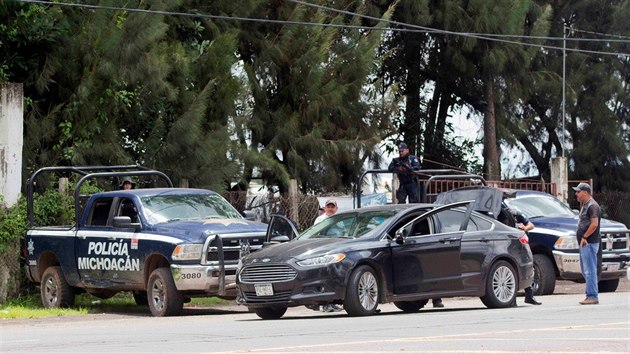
x=165 y=245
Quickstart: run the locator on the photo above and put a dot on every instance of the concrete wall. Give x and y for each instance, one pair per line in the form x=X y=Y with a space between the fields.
x=560 y=176
x=11 y=141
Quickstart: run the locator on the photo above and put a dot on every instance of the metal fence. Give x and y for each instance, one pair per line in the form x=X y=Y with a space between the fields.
x=303 y=210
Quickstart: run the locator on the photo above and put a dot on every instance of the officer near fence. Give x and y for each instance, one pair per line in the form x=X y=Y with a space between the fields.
x=404 y=166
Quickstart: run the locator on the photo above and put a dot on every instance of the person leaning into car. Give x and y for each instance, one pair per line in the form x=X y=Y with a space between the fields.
x=523 y=223
x=589 y=239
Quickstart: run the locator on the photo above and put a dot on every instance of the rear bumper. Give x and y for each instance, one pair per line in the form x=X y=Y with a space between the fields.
x=614 y=265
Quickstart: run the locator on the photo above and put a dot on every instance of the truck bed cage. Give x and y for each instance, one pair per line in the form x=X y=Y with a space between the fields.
x=88 y=172
x=425 y=177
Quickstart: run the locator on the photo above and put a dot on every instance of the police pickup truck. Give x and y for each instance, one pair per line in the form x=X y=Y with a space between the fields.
x=165 y=245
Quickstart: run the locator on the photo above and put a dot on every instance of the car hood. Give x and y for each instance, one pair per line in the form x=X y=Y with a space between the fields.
x=569 y=224
x=196 y=231
x=299 y=249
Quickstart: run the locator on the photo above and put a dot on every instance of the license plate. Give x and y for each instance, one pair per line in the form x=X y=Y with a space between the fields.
x=612 y=267
x=263 y=289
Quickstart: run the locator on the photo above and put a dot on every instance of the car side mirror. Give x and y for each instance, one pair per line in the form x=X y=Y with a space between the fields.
x=124 y=222
x=400 y=236
x=249 y=215
x=277 y=239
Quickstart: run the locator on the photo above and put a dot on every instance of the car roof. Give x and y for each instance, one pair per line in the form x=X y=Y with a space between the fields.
x=149 y=192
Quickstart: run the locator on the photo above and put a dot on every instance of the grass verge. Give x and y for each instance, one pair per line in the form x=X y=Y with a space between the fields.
x=30 y=306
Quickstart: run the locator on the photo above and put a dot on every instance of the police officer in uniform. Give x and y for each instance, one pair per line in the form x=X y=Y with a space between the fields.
x=404 y=166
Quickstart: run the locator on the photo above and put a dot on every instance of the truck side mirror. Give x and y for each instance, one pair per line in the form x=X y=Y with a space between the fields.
x=124 y=222
x=249 y=215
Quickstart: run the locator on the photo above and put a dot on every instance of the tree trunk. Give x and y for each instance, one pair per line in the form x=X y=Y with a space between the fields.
x=491 y=166
x=411 y=127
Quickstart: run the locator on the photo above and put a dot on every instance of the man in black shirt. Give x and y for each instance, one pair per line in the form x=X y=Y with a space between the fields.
x=588 y=238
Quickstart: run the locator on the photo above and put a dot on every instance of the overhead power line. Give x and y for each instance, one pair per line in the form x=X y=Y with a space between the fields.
x=495 y=37
x=601 y=34
x=416 y=28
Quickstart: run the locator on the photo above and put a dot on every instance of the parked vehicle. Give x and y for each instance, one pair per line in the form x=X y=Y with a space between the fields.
x=403 y=253
x=165 y=245
x=552 y=241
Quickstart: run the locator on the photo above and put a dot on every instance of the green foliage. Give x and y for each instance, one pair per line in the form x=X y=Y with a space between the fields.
x=51 y=208
x=217 y=102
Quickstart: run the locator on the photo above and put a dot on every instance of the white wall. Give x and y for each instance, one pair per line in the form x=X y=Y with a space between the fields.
x=11 y=141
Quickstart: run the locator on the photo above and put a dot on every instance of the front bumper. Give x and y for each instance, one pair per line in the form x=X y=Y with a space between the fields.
x=207 y=279
x=614 y=265
x=309 y=287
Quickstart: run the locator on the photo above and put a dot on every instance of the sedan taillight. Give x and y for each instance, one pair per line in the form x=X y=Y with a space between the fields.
x=524 y=239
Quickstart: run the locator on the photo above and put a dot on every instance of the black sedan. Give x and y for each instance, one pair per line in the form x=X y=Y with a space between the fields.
x=403 y=253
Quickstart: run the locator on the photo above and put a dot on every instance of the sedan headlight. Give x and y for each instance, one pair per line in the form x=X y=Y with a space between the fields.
x=187 y=251
x=566 y=243
x=322 y=260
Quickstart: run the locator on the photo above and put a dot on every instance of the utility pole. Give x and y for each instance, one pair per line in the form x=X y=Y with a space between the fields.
x=564 y=65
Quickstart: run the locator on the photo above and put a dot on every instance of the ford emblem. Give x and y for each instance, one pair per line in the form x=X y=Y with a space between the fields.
x=265 y=260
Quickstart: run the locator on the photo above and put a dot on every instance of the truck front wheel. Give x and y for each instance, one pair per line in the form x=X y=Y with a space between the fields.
x=164 y=298
x=608 y=286
x=55 y=290
x=544 y=275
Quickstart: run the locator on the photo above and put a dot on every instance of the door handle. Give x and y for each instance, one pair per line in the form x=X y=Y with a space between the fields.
x=483 y=239
x=81 y=237
x=449 y=239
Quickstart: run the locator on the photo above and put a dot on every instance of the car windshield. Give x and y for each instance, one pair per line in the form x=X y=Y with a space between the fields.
x=172 y=207
x=348 y=225
x=533 y=206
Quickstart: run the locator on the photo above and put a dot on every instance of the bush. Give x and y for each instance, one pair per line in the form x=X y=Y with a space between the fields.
x=50 y=208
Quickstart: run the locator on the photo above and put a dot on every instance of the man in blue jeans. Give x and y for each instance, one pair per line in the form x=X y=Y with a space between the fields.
x=589 y=240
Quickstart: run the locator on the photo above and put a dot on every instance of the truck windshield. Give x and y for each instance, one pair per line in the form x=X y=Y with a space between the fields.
x=172 y=207
x=534 y=206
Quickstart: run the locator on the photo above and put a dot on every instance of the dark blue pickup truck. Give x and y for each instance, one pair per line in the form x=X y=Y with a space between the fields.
x=552 y=241
x=165 y=245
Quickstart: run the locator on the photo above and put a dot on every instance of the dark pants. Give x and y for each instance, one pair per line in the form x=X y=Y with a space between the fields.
x=405 y=190
x=529 y=292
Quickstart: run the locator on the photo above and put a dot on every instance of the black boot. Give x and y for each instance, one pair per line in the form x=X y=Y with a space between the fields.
x=529 y=296
x=437 y=303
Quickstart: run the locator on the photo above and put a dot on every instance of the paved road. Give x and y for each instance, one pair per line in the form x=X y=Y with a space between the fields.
x=560 y=325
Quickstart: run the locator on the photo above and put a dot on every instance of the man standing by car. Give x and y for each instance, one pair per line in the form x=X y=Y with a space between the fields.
x=589 y=240
x=404 y=166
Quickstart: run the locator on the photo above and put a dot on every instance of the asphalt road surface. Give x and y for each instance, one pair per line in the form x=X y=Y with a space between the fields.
x=560 y=325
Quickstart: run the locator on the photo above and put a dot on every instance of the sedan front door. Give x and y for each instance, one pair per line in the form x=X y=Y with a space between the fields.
x=426 y=256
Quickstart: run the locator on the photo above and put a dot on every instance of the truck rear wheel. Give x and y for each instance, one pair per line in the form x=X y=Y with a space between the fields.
x=544 y=275
x=164 y=298
x=608 y=286
x=55 y=290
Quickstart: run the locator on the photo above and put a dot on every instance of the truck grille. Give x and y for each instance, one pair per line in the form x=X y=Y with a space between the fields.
x=268 y=273
x=233 y=247
x=615 y=240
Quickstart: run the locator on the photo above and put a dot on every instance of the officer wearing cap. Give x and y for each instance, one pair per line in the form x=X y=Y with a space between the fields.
x=588 y=238
x=404 y=166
